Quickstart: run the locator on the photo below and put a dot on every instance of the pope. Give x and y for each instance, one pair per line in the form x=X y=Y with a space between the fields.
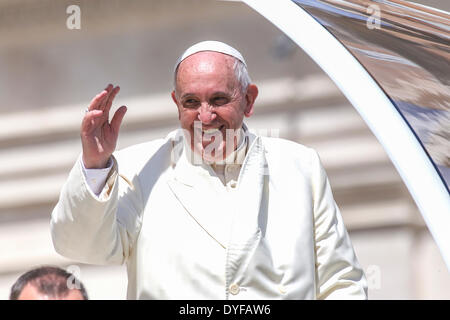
x=211 y=211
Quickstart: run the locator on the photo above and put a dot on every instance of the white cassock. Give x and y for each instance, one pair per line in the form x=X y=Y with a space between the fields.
x=275 y=234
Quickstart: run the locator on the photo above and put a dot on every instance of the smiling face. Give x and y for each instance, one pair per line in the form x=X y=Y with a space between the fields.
x=211 y=104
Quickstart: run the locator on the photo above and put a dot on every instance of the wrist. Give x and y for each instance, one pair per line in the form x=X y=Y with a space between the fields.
x=97 y=164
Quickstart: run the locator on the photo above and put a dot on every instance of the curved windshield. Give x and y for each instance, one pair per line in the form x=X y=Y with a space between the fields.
x=406 y=49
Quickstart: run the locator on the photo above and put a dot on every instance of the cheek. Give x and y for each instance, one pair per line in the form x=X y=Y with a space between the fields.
x=187 y=118
x=231 y=116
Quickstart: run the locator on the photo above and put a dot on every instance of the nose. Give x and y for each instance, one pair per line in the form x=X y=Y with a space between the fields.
x=206 y=113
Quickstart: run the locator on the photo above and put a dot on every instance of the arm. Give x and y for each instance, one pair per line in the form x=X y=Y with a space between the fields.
x=86 y=227
x=96 y=229
x=96 y=178
x=338 y=273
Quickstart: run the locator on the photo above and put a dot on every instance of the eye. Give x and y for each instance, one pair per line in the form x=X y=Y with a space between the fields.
x=190 y=103
x=219 y=101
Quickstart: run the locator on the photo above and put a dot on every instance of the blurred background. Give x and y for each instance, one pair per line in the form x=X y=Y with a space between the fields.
x=49 y=74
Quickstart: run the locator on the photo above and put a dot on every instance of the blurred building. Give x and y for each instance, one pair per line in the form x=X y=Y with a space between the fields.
x=49 y=74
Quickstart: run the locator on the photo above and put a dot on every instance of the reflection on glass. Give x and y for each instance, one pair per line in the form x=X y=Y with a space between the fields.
x=406 y=48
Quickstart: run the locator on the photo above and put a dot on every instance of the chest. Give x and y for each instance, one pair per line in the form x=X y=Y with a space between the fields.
x=184 y=244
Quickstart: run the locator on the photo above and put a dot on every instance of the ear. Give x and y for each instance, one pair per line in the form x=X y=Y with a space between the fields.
x=250 y=97
x=174 y=98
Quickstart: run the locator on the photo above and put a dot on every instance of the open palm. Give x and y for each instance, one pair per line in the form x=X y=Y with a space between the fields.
x=98 y=135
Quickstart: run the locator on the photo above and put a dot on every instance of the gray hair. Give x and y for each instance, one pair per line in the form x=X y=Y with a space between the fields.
x=240 y=72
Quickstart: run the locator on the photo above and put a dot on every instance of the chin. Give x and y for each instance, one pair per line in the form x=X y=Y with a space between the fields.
x=210 y=154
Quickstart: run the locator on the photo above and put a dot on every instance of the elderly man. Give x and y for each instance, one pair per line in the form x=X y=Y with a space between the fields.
x=212 y=211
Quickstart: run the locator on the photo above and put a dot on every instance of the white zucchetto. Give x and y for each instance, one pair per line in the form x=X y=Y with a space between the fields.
x=216 y=46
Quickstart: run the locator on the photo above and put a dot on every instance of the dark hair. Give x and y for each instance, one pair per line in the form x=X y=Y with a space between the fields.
x=49 y=280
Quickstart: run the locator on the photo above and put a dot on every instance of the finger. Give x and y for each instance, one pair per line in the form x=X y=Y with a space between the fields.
x=97 y=100
x=109 y=90
x=118 y=117
x=111 y=97
x=92 y=120
x=101 y=97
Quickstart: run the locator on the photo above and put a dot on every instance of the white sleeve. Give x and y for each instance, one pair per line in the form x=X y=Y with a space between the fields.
x=97 y=229
x=339 y=274
x=96 y=178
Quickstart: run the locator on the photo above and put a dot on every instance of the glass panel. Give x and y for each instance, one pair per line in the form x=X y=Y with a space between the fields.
x=406 y=48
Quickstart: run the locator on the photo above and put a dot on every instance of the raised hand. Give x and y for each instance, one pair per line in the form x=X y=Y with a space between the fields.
x=98 y=135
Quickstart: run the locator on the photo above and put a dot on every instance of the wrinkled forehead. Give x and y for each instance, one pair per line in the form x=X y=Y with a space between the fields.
x=207 y=62
x=206 y=69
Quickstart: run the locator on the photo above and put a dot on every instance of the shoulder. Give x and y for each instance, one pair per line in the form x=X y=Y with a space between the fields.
x=284 y=155
x=288 y=158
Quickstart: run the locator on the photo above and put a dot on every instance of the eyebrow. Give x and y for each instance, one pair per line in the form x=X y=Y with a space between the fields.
x=187 y=95
x=218 y=93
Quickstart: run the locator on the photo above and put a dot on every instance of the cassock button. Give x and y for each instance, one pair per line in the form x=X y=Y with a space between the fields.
x=234 y=289
x=231 y=168
x=282 y=289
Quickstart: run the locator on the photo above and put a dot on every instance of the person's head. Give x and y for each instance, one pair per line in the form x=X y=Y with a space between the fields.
x=48 y=283
x=213 y=94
